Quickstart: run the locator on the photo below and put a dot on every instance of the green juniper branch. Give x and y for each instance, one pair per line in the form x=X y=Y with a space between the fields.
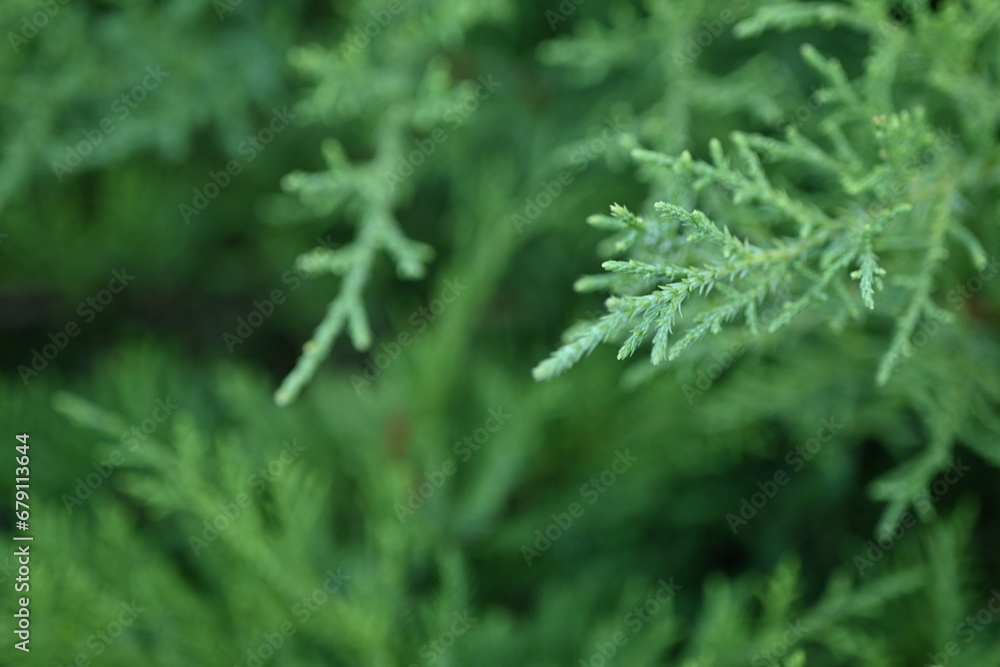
x=352 y=84
x=888 y=197
x=378 y=231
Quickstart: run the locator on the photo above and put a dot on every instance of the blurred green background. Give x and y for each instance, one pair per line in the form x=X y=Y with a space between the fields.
x=425 y=501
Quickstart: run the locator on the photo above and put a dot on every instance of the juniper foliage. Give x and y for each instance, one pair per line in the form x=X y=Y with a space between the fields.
x=804 y=248
x=868 y=199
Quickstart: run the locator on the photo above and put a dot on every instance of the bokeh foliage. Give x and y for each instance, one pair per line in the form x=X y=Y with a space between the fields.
x=597 y=98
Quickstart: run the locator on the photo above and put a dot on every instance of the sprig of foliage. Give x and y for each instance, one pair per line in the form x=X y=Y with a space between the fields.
x=886 y=204
x=871 y=183
x=351 y=87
